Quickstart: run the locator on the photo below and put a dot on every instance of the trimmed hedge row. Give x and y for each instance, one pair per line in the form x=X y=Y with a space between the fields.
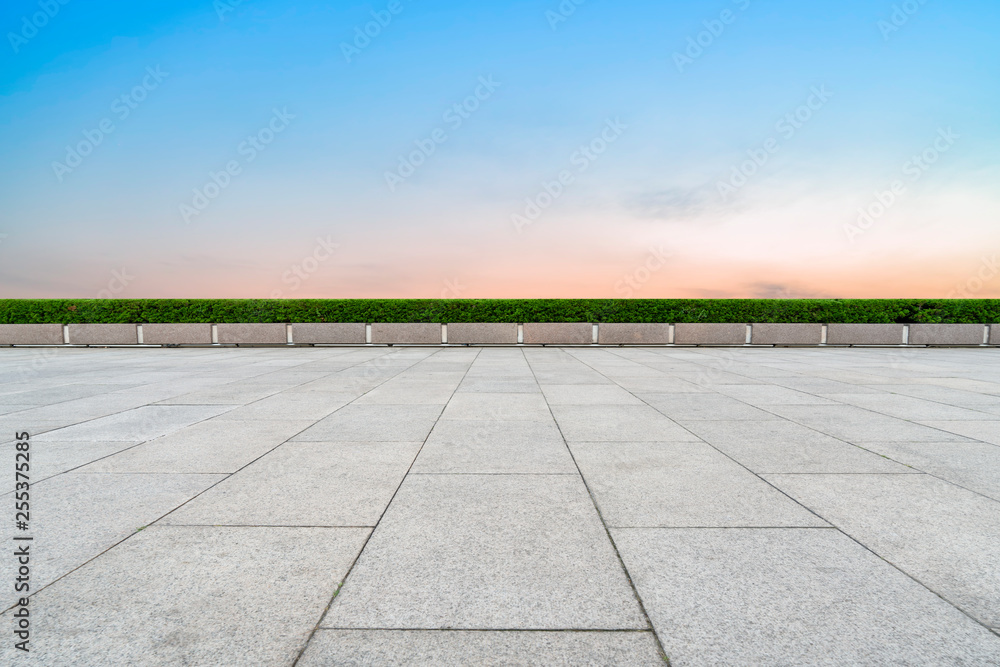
x=874 y=311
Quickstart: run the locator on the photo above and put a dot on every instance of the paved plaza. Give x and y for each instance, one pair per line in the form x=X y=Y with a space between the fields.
x=505 y=506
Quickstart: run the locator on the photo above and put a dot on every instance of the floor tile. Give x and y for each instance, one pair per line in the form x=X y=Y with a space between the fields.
x=290 y=406
x=214 y=446
x=691 y=407
x=497 y=447
x=784 y=446
x=858 y=426
x=574 y=394
x=506 y=407
x=144 y=423
x=791 y=597
x=941 y=535
x=488 y=552
x=624 y=423
x=985 y=431
x=769 y=394
x=908 y=407
x=375 y=423
x=76 y=516
x=431 y=648
x=973 y=465
x=681 y=484
x=306 y=484
x=193 y=596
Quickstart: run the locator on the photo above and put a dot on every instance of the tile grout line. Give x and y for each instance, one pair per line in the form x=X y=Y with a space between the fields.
x=343 y=581
x=483 y=630
x=830 y=527
x=600 y=517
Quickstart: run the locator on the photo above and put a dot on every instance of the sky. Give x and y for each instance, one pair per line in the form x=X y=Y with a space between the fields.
x=519 y=149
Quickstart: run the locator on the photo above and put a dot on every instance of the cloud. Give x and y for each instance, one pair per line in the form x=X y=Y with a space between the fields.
x=782 y=291
x=677 y=204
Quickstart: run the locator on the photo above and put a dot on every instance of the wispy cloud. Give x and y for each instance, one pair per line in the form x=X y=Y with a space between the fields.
x=676 y=204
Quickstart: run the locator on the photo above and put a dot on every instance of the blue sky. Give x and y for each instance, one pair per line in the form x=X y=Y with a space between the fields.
x=225 y=69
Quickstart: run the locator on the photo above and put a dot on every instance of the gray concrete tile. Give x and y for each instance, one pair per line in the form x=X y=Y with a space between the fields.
x=51 y=457
x=664 y=484
x=784 y=446
x=11 y=409
x=214 y=446
x=82 y=409
x=285 y=406
x=859 y=426
x=76 y=516
x=518 y=386
x=58 y=394
x=574 y=375
x=375 y=423
x=139 y=424
x=860 y=378
x=627 y=371
x=764 y=395
x=821 y=386
x=192 y=596
x=9 y=425
x=711 y=376
x=494 y=446
x=703 y=406
x=159 y=391
x=986 y=431
x=306 y=484
x=506 y=407
x=290 y=377
x=942 y=535
x=234 y=393
x=622 y=423
x=414 y=394
x=488 y=552
x=457 y=647
x=337 y=386
x=949 y=396
x=908 y=407
x=973 y=465
x=791 y=597
x=434 y=366
x=576 y=394
x=662 y=384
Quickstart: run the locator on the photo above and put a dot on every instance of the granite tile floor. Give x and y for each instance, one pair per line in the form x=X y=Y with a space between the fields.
x=505 y=506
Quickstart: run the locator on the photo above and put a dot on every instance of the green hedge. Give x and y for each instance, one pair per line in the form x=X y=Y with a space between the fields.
x=66 y=311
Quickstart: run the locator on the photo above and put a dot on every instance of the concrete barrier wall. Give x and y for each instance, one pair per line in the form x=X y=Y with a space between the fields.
x=865 y=334
x=252 y=334
x=633 y=334
x=177 y=334
x=329 y=333
x=786 y=334
x=710 y=334
x=558 y=333
x=482 y=334
x=103 y=334
x=535 y=333
x=946 y=334
x=406 y=334
x=31 y=334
